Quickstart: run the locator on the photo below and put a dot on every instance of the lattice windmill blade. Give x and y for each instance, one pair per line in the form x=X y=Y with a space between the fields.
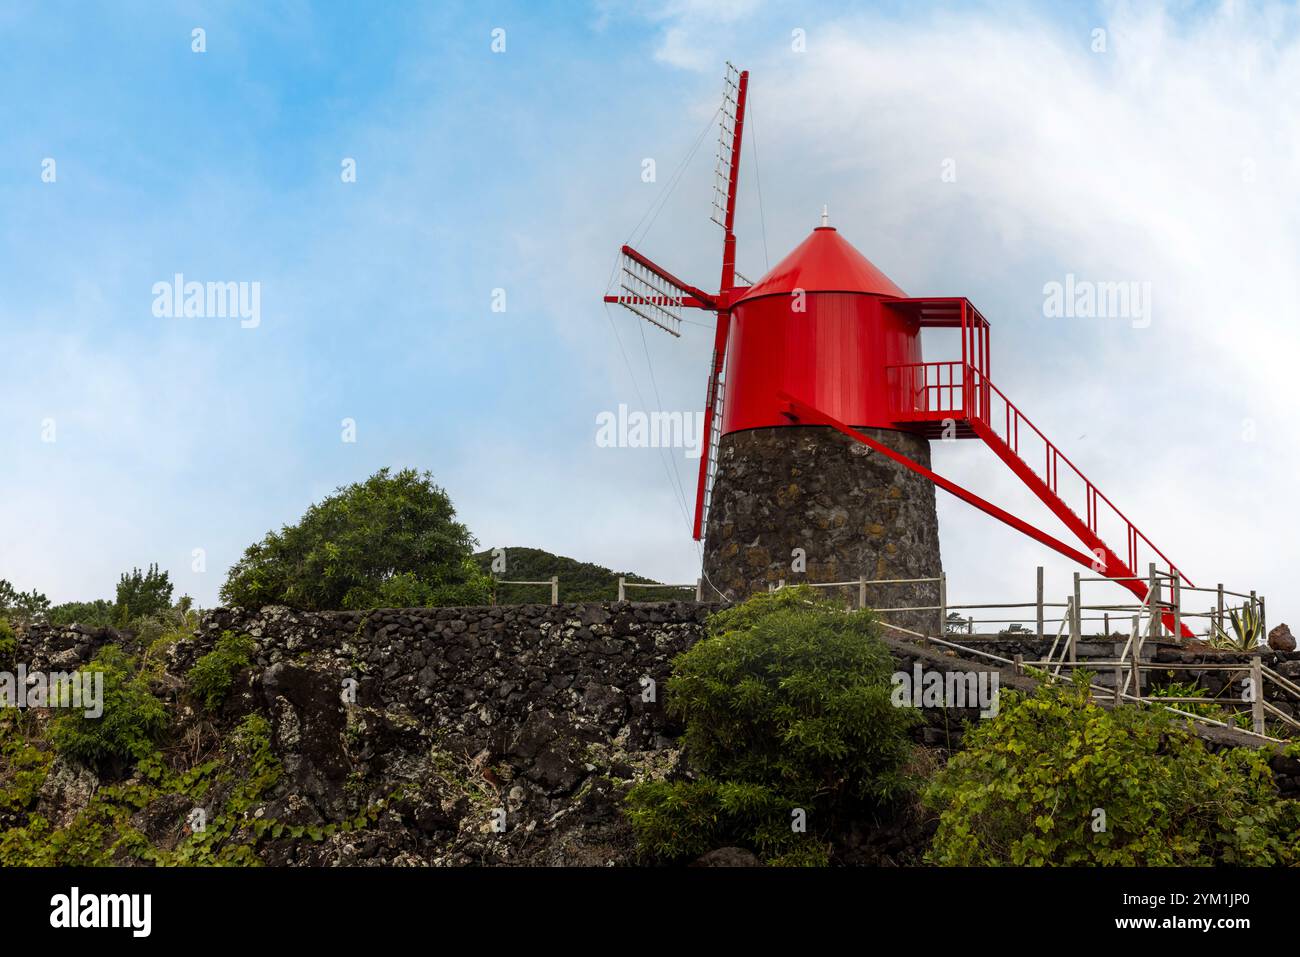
x=727 y=125
x=656 y=295
x=713 y=439
x=650 y=295
x=731 y=128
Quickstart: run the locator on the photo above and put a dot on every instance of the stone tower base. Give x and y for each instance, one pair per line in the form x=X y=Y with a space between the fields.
x=851 y=510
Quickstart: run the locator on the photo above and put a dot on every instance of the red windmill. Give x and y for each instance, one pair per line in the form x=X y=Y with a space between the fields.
x=826 y=339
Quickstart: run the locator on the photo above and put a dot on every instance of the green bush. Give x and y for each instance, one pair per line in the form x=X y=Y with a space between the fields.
x=141 y=594
x=25 y=607
x=680 y=820
x=1193 y=689
x=23 y=765
x=787 y=706
x=132 y=722
x=93 y=614
x=8 y=643
x=409 y=591
x=212 y=675
x=1032 y=784
x=389 y=541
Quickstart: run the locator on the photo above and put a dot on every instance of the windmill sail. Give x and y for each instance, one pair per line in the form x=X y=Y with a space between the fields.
x=709 y=462
x=658 y=297
x=729 y=124
x=653 y=295
x=726 y=179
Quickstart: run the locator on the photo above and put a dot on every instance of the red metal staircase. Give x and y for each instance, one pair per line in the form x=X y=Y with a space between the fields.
x=958 y=400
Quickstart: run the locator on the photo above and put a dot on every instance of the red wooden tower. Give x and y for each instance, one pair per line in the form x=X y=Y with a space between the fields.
x=826 y=344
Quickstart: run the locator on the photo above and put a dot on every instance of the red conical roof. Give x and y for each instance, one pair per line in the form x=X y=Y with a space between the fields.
x=824 y=262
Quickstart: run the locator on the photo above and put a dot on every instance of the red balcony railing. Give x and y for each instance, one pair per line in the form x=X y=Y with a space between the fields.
x=926 y=390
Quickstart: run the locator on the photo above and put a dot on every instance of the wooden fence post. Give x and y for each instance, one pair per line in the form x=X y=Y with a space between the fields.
x=1257 y=689
x=699 y=589
x=622 y=589
x=862 y=592
x=1218 y=620
x=1153 y=601
x=1178 y=605
x=1076 y=621
x=1040 y=602
x=1136 y=636
x=1137 y=670
x=555 y=589
x=943 y=605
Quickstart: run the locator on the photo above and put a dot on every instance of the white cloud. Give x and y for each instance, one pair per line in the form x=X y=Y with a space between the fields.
x=695 y=34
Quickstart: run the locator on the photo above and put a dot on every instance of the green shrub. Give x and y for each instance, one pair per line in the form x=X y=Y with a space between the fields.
x=25 y=607
x=132 y=721
x=1192 y=689
x=92 y=614
x=390 y=540
x=8 y=643
x=680 y=820
x=212 y=675
x=791 y=692
x=408 y=591
x=141 y=594
x=23 y=765
x=1032 y=784
x=787 y=706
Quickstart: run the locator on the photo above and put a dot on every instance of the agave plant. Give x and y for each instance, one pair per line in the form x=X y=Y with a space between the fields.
x=1247 y=630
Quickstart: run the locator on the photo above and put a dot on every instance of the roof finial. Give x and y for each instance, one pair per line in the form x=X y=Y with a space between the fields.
x=825 y=216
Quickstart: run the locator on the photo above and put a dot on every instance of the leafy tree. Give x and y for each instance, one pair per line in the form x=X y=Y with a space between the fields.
x=1056 y=779
x=140 y=595
x=93 y=614
x=8 y=643
x=787 y=706
x=22 y=606
x=390 y=540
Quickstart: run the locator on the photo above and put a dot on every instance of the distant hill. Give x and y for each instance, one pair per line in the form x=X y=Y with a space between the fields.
x=579 y=581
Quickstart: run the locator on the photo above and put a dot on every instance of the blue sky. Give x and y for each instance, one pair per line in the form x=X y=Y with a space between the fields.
x=1172 y=158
